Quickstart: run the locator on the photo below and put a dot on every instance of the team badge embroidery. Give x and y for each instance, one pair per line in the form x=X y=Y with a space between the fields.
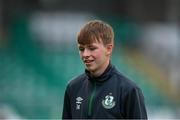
x=78 y=102
x=108 y=102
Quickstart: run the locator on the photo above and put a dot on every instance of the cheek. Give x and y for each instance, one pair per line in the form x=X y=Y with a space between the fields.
x=100 y=54
x=80 y=54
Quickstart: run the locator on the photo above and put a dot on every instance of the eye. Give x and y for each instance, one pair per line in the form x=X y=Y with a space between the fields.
x=81 y=49
x=92 y=48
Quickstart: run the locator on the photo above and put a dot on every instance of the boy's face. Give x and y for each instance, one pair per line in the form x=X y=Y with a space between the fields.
x=95 y=56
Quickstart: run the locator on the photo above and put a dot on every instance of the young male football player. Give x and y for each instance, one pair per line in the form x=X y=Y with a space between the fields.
x=101 y=91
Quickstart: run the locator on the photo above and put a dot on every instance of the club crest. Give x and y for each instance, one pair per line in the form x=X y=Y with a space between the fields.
x=108 y=102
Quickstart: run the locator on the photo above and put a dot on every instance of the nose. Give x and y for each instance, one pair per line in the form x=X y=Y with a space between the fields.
x=86 y=53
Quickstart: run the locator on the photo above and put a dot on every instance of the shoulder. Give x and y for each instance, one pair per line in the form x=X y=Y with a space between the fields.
x=124 y=82
x=75 y=84
x=127 y=86
x=77 y=80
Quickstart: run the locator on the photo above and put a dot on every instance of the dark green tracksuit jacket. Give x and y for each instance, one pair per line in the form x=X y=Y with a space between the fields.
x=110 y=95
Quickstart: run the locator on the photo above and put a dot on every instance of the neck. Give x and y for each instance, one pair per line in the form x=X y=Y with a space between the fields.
x=101 y=70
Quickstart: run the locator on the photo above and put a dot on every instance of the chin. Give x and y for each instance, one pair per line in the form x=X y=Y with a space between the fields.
x=90 y=69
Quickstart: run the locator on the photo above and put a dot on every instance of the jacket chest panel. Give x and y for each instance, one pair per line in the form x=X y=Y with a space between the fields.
x=97 y=102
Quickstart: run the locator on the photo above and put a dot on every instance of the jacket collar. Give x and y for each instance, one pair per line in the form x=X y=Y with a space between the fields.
x=105 y=76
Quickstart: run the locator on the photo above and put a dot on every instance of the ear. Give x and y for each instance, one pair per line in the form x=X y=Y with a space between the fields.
x=109 y=48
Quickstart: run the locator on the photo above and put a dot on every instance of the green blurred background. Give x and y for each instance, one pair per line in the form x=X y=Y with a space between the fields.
x=38 y=53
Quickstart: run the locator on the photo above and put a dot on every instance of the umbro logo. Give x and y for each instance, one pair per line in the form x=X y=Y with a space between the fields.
x=78 y=102
x=79 y=99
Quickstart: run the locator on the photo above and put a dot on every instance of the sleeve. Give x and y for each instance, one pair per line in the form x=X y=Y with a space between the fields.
x=66 y=106
x=134 y=105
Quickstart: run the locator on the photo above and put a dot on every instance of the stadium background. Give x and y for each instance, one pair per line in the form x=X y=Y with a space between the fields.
x=38 y=54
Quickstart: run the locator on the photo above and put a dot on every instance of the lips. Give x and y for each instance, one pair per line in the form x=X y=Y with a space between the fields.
x=88 y=61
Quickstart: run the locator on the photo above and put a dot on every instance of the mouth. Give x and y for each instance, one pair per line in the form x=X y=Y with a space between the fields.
x=87 y=62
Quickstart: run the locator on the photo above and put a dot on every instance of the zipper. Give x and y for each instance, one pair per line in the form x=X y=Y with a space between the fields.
x=91 y=100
